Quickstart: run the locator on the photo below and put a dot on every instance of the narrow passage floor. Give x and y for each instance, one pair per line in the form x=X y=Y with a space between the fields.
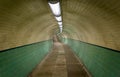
x=60 y=62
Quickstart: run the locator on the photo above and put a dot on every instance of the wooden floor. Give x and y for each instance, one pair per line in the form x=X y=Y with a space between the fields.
x=60 y=62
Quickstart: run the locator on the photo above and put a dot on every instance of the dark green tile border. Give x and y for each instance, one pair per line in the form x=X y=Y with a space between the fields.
x=23 y=46
x=95 y=45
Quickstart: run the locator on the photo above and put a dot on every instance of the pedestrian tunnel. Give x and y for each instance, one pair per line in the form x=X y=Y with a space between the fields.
x=29 y=32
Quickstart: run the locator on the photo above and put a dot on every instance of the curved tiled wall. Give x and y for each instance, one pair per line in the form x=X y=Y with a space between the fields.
x=20 y=61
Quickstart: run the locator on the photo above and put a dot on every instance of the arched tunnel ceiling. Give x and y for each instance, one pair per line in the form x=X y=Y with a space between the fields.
x=95 y=21
x=28 y=21
x=25 y=22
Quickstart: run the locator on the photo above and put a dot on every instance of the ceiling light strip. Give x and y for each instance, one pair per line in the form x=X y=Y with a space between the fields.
x=55 y=7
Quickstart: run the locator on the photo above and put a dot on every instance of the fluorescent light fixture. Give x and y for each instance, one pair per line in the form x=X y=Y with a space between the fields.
x=60 y=23
x=55 y=7
x=60 y=26
x=58 y=18
x=61 y=29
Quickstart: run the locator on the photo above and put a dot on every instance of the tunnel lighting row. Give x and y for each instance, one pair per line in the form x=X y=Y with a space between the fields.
x=55 y=8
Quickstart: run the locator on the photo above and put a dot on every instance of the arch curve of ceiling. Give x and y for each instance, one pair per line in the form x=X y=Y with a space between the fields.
x=28 y=21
